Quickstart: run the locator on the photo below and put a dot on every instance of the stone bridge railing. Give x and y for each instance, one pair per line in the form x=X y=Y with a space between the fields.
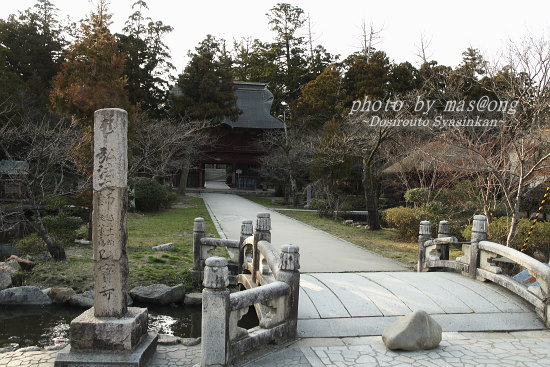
x=271 y=279
x=481 y=259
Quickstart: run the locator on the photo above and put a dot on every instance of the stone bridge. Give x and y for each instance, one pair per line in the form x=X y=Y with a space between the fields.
x=362 y=304
x=471 y=293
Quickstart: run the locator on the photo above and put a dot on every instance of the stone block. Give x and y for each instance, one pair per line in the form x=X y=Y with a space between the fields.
x=89 y=332
x=140 y=356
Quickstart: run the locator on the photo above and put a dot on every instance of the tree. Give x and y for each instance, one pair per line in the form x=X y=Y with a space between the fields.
x=523 y=143
x=320 y=100
x=92 y=75
x=286 y=20
x=45 y=144
x=206 y=85
x=148 y=65
x=367 y=76
x=30 y=53
x=287 y=159
x=161 y=147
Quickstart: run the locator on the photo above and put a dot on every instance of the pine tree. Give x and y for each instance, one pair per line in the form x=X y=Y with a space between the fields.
x=148 y=63
x=31 y=46
x=206 y=85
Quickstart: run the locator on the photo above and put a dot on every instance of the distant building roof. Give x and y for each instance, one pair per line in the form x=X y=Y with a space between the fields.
x=254 y=100
x=14 y=167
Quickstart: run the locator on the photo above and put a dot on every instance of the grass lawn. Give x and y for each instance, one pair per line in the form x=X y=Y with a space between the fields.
x=384 y=242
x=146 y=265
x=269 y=202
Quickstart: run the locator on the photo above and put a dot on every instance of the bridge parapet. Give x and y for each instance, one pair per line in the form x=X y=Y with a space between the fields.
x=272 y=281
x=481 y=259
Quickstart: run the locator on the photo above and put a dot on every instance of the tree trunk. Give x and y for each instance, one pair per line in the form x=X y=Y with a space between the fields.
x=515 y=216
x=371 y=197
x=293 y=191
x=182 y=188
x=56 y=251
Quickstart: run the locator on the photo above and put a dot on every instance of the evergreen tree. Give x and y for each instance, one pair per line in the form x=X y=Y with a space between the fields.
x=31 y=46
x=320 y=100
x=206 y=85
x=367 y=76
x=148 y=63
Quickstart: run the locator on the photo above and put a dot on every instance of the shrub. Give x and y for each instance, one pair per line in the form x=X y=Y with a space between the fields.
x=150 y=195
x=434 y=211
x=406 y=221
x=539 y=243
x=30 y=245
x=321 y=206
x=62 y=228
x=418 y=195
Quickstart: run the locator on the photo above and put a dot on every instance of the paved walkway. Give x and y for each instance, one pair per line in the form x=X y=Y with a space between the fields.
x=319 y=251
x=530 y=349
x=216 y=185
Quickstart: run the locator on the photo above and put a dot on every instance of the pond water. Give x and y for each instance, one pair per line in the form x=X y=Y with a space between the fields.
x=41 y=326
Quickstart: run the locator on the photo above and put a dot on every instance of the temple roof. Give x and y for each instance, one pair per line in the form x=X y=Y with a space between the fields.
x=254 y=100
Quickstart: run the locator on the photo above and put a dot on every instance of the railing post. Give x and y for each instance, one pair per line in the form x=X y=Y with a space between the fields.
x=198 y=233
x=424 y=234
x=215 y=313
x=444 y=230
x=479 y=233
x=261 y=233
x=290 y=274
x=246 y=231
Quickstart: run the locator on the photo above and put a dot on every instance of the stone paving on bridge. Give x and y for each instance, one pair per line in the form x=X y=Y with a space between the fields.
x=362 y=304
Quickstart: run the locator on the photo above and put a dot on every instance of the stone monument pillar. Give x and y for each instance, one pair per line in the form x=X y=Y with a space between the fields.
x=215 y=312
x=110 y=333
x=424 y=234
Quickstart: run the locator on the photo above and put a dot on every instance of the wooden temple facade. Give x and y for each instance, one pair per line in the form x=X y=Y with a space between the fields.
x=236 y=142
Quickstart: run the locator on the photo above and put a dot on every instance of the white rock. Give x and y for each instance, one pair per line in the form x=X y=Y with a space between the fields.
x=165 y=339
x=158 y=293
x=11 y=267
x=83 y=242
x=413 y=332
x=164 y=247
x=27 y=295
x=193 y=299
x=189 y=342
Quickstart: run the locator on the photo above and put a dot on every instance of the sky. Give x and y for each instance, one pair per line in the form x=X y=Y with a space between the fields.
x=449 y=26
